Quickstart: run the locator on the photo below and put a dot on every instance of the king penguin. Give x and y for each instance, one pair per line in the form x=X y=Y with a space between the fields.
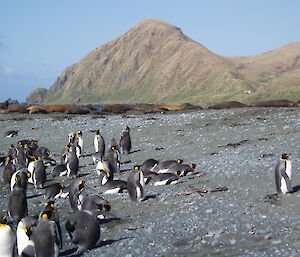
x=75 y=189
x=283 y=174
x=25 y=244
x=46 y=237
x=99 y=144
x=9 y=170
x=7 y=239
x=39 y=173
x=108 y=185
x=17 y=204
x=84 y=230
x=79 y=143
x=125 y=141
x=135 y=184
x=163 y=166
x=55 y=191
x=113 y=158
x=72 y=162
x=96 y=205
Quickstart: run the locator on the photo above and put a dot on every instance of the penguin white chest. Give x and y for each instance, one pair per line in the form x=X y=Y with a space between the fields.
x=24 y=244
x=283 y=186
x=7 y=241
x=288 y=168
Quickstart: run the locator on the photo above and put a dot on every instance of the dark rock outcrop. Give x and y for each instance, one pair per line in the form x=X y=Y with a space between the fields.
x=37 y=96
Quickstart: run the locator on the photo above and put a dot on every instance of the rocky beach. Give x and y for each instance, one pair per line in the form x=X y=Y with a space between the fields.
x=226 y=208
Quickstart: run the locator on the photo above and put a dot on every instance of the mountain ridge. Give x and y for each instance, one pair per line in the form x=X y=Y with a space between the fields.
x=155 y=62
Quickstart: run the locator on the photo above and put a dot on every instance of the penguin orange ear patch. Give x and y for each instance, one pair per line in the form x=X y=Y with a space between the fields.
x=45 y=216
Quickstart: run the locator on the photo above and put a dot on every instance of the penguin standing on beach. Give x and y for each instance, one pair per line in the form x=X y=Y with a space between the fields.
x=99 y=144
x=125 y=141
x=113 y=158
x=79 y=143
x=9 y=170
x=135 y=184
x=17 y=204
x=39 y=173
x=283 y=174
x=24 y=175
x=25 y=244
x=46 y=237
x=75 y=189
x=72 y=162
x=84 y=230
x=7 y=238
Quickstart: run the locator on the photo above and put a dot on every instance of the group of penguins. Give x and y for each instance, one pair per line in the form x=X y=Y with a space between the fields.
x=40 y=235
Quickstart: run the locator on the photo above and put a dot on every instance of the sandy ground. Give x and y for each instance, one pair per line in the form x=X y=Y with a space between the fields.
x=236 y=148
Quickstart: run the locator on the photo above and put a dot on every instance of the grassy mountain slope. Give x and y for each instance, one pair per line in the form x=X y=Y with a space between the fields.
x=154 y=62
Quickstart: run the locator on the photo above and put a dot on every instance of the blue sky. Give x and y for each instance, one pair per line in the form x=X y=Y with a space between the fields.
x=39 y=39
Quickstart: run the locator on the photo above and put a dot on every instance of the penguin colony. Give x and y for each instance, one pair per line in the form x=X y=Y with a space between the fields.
x=39 y=234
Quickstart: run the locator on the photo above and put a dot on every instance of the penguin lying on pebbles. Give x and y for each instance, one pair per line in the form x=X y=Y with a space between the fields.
x=148 y=165
x=7 y=238
x=159 y=179
x=25 y=228
x=108 y=185
x=163 y=166
x=135 y=184
x=283 y=174
x=183 y=169
x=84 y=230
x=11 y=133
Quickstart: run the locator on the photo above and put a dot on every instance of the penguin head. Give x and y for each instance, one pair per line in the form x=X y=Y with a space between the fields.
x=107 y=206
x=136 y=167
x=178 y=172
x=97 y=132
x=46 y=215
x=62 y=186
x=81 y=185
x=193 y=165
x=18 y=181
x=127 y=128
x=79 y=133
x=27 y=230
x=179 y=161
x=284 y=156
x=106 y=172
x=50 y=205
